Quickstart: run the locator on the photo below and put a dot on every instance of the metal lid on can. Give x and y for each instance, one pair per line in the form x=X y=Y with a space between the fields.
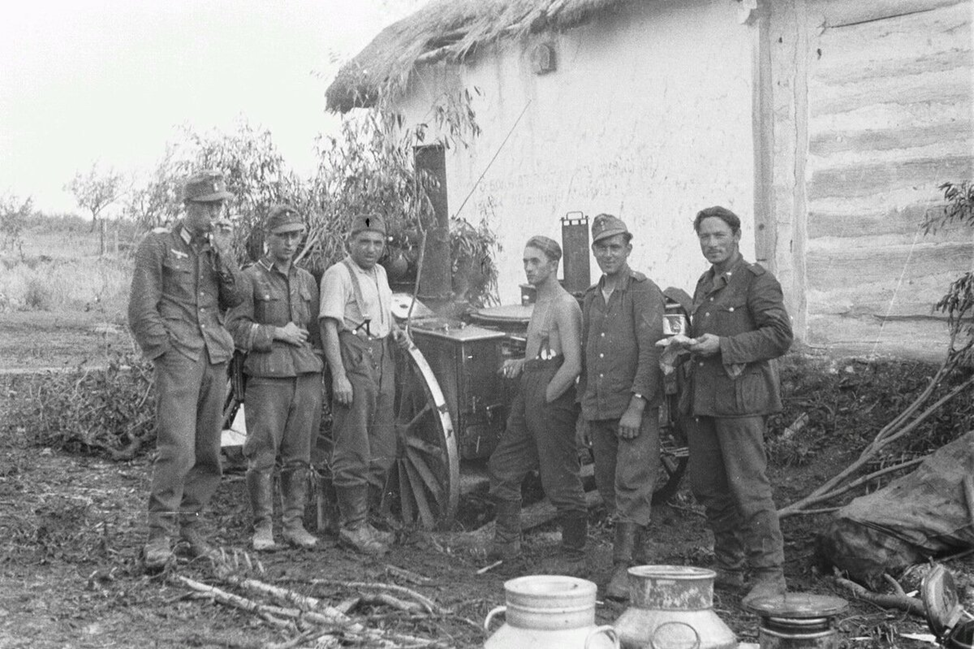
x=798 y=605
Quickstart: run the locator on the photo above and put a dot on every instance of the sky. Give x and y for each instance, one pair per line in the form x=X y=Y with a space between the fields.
x=108 y=82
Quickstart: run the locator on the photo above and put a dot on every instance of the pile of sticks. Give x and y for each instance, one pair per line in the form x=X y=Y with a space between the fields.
x=313 y=622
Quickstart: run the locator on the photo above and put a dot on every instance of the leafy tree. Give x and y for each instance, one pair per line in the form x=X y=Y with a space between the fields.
x=958 y=302
x=14 y=214
x=94 y=190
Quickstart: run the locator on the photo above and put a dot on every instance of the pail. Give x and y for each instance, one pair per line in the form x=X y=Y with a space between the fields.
x=672 y=608
x=549 y=612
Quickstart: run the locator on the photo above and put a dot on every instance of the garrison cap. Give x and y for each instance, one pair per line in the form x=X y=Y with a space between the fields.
x=365 y=222
x=283 y=218
x=206 y=187
x=606 y=225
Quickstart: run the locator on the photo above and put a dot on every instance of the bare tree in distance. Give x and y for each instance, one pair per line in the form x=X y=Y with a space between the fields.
x=94 y=190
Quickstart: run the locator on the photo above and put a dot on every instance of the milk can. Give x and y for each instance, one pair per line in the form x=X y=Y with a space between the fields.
x=672 y=608
x=549 y=612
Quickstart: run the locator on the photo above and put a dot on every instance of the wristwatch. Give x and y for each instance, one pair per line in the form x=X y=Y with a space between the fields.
x=636 y=394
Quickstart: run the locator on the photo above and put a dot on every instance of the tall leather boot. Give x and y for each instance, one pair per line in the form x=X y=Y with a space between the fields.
x=294 y=488
x=570 y=559
x=355 y=532
x=622 y=552
x=506 y=544
x=375 y=505
x=260 y=486
x=729 y=560
x=642 y=549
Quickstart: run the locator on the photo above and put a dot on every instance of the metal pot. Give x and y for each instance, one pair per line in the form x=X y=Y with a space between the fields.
x=549 y=612
x=672 y=608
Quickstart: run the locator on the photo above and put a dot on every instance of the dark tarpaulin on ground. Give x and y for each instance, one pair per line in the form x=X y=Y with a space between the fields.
x=918 y=516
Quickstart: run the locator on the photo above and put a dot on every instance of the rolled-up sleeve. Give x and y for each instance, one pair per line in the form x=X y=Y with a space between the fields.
x=332 y=298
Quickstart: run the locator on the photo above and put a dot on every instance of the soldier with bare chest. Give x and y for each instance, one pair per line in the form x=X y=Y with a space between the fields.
x=540 y=431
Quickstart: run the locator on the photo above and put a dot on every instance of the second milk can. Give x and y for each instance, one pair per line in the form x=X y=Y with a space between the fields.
x=549 y=612
x=672 y=608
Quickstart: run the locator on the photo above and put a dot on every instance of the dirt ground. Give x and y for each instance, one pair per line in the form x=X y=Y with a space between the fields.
x=72 y=528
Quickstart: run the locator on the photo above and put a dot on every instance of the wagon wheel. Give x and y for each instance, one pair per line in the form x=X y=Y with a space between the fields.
x=424 y=484
x=673 y=452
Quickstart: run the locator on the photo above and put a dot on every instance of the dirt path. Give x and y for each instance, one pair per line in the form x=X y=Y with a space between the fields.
x=71 y=529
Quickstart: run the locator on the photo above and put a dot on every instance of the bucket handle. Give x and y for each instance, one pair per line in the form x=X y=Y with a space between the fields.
x=490 y=616
x=652 y=640
x=608 y=631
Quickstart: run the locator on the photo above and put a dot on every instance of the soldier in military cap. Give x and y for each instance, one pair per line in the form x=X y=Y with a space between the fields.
x=540 y=430
x=276 y=326
x=620 y=390
x=184 y=280
x=357 y=329
x=739 y=326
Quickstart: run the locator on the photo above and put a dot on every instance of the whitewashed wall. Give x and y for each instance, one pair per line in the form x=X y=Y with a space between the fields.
x=648 y=116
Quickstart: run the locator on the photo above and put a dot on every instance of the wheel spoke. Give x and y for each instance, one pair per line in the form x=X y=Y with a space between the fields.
x=425 y=513
x=404 y=493
x=419 y=415
x=418 y=463
x=426 y=447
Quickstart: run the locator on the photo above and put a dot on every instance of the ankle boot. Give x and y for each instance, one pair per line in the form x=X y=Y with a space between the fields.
x=260 y=486
x=622 y=553
x=354 y=531
x=507 y=531
x=294 y=488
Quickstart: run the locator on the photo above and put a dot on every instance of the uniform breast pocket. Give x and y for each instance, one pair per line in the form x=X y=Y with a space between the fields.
x=732 y=317
x=176 y=266
x=268 y=309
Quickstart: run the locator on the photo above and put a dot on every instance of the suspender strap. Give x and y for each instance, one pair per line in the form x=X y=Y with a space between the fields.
x=356 y=287
x=359 y=300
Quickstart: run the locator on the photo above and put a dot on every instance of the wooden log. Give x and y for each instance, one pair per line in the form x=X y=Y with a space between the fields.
x=841 y=13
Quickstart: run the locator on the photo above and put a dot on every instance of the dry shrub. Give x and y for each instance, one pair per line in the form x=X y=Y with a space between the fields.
x=105 y=411
x=46 y=284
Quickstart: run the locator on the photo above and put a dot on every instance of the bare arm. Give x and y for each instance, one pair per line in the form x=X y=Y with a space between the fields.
x=341 y=387
x=568 y=321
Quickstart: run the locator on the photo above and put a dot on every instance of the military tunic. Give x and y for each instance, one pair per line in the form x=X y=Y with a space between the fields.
x=284 y=389
x=180 y=290
x=621 y=360
x=729 y=395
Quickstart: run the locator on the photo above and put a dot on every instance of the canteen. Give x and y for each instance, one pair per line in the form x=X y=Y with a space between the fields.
x=672 y=608
x=549 y=612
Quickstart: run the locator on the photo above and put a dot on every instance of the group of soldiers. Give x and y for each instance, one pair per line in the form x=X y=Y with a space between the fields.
x=191 y=306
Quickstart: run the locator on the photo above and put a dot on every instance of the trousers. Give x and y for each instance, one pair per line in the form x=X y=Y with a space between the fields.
x=729 y=477
x=364 y=431
x=539 y=435
x=626 y=470
x=189 y=415
x=283 y=416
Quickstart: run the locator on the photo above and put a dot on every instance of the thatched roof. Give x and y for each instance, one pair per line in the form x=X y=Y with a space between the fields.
x=451 y=30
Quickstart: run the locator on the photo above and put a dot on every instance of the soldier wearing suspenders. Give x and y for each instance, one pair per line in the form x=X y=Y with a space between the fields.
x=540 y=430
x=357 y=329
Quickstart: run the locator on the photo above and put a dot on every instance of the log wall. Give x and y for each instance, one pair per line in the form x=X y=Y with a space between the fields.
x=872 y=110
